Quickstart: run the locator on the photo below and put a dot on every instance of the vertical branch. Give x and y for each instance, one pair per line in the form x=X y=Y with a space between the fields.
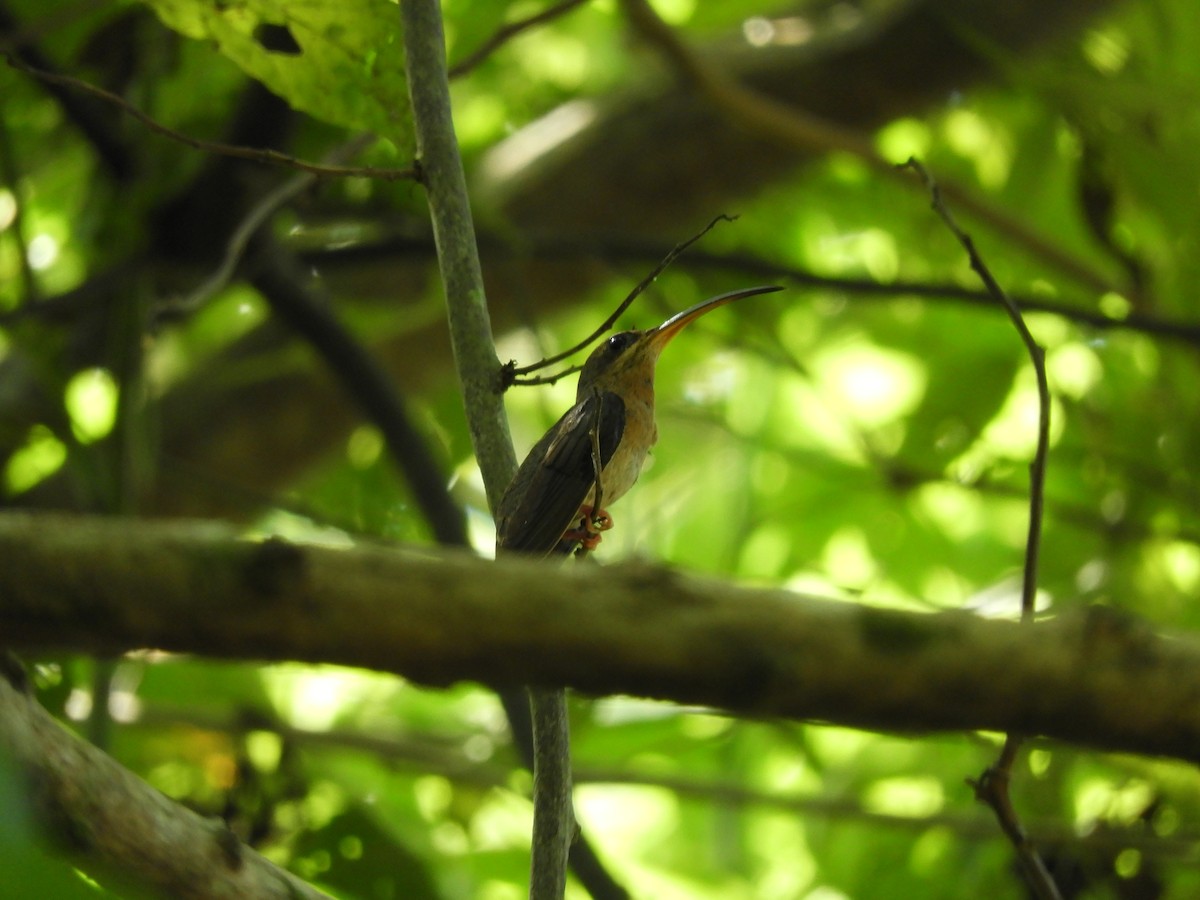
x=992 y=787
x=454 y=234
x=479 y=373
x=553 y=811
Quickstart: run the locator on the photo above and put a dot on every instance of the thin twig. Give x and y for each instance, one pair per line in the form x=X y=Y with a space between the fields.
x=262 y=155
x=506 y=33
x=992 y=787
x=1037 y=356
x=543 y=379
x=583 y=549
x=673 y=254
x=553 y=812
x=597 y=461
x=611 y=250
x=458 y=254
x=17 y=44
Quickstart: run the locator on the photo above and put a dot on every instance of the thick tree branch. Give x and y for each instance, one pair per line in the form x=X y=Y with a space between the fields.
x=107 y=818
x=1094 y=678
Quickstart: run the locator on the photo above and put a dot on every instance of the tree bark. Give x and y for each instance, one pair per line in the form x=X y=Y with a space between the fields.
x=1092 y=677
x=111 y=823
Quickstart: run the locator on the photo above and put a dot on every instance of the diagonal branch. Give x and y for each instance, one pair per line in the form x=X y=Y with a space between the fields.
x=509 y=31
x=264 y=155
x=109 y=819
x=277 y=275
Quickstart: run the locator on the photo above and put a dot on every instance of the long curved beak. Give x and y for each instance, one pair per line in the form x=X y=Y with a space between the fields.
x=662 y=335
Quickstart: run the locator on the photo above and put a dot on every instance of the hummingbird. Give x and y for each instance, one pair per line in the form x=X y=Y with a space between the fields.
x=551 y=506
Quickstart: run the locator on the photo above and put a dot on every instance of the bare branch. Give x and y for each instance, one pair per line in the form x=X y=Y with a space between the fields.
x=109 y=819
x=454 y=233
x=1095 y=678
x=641 y=286
x=479 y=372
x=506 y=33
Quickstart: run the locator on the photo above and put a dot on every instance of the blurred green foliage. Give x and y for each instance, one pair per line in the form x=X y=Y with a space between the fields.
x=867 y=445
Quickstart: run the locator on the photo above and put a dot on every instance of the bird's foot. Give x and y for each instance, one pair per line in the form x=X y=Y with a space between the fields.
x=591 y=527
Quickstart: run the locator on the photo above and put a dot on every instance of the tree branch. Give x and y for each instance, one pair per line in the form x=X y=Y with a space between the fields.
x=509 y=31
x=277 y=276
x=454 y=234
x=107 y=818
x=992 y=787
x=896 y=63
x=479 y=373
x=1095 y=678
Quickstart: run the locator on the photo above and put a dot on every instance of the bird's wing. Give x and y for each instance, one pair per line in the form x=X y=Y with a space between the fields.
x=558 y=474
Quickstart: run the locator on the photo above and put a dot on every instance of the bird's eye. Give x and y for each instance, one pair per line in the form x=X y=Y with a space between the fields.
x=619 y=342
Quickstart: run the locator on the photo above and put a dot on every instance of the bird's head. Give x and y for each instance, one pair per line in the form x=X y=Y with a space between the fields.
x=631 y=355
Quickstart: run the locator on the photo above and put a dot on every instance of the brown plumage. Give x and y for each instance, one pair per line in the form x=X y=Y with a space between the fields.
x=554 y=488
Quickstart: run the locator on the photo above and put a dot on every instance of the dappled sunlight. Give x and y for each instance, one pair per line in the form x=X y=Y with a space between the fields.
x=874 y=386
x=509 y=157
x=871 y=249
x=1099 y=800
x=912 y=796
x=985 y=143
x=1073 y=369
x=40 y=456
x=807 y=417
x=91 y=402
x=315 y=698
x=764 y=552
x=848 y=560
x=636 y=821
x=1181 y=563
x=783 y=862
x=8 y=213
x=862 y=437
x=958 y=511
x=904 y=138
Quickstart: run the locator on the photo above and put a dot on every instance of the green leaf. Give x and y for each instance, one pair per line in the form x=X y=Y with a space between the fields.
x=341 y=63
